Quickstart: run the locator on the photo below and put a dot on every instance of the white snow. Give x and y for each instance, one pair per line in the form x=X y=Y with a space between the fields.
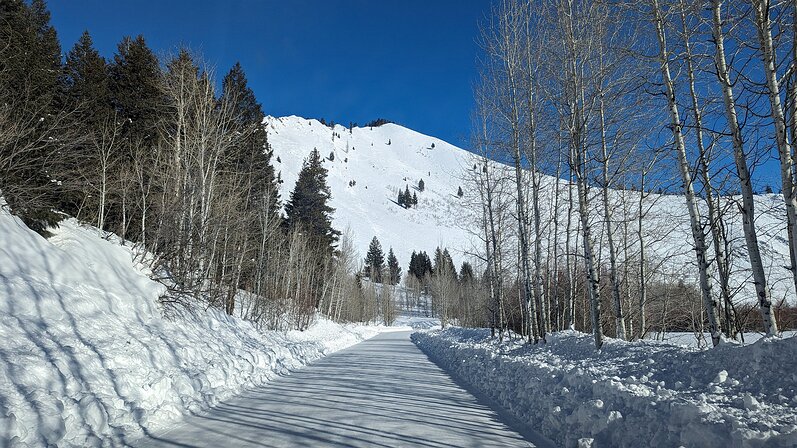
x=87 y=358
x=631 y=394
x=368 y=208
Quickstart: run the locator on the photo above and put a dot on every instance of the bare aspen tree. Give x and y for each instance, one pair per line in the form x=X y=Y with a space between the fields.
x=710 y=303
x=532 y=63
x=714 y=220
x=576 y=23
x=740 y=158
x=503 y=42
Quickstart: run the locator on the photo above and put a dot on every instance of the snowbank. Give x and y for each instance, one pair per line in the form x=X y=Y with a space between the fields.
x=631 y=394
x=87 y=359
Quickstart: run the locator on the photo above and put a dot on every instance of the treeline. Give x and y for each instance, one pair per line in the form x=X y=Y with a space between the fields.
x=615 y=100
x=152 y=151
x=433 y=287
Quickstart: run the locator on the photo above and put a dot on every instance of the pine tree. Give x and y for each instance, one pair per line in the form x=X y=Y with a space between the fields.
x=393 y=268
x=402 y=199
x=374 y=261
x=443 y=263
x=460 y=193
x=86 y=90
x=253 y=156
x=407 y=197
x=420 y=265
x=135 y=86
x=86 y=82
x=466 y=273
x=414 y=199
x=30 y=65
x=308 y=207
x=421 y=185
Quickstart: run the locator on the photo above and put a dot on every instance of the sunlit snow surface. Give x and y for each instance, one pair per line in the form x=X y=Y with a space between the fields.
x=86 y=358
x=632 y=394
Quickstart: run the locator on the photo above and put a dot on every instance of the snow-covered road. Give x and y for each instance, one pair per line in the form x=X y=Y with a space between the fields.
x=383 y=392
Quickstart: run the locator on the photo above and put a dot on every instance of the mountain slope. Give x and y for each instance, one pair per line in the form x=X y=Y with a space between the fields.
x=381 y=160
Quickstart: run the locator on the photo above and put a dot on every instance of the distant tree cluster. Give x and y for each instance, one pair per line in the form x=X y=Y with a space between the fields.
x=407 y=199
x=375 y=268
x=454 y=297
x=378 y=122
x=420 y=265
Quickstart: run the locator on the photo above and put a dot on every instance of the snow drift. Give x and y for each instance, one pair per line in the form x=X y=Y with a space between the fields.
x=631 y=394
x=87 y=359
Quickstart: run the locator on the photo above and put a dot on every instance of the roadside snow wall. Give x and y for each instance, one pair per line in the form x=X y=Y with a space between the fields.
x=86 y=358
x=631 y=394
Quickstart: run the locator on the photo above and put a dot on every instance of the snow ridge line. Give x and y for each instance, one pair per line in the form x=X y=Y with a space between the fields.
x=604 y=399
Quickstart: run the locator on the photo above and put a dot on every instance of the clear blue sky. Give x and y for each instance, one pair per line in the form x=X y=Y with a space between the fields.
x=410 y=61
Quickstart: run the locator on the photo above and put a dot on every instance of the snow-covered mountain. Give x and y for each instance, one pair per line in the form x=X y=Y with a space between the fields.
x=370 y=164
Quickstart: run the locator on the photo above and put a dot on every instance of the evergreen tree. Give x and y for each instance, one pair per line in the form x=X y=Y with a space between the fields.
x=30 y=65
x=374 y=261
x=414 y=199
x=402 y=199
x=85 y=90
x=460 y=193
x=135 y=87
x=86 y=83
x=421 y=185
x=443 y=263
x=420 y=265
x=393 y=268
x=308 y=207
x=466 y=273
x=254 y=154
x=407 y=197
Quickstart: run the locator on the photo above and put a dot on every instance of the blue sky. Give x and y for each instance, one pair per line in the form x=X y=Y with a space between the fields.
x=410 y=61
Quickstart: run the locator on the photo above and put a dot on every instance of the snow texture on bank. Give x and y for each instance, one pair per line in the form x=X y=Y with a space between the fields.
x=87 y=359
x=631 y=394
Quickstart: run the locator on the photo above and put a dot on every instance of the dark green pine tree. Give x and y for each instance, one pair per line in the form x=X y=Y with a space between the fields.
x=85 y=90
x=443 y=264
x=393 y=268
x=30 y=65
x=374 y=261
x=450 y=263
x=460 y=193
x=135 y=86
x=421 y=185
x=426 y=264
x=308 y=208
x=420 y=265
x=253 y=156
x=412 y=267
x=86 y=83
x=402 y=199
x=414 y=199
x=407 y=197
x=466 y=273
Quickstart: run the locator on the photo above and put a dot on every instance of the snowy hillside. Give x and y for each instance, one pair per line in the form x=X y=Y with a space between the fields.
x=87 y=358
x=379 y=161
x=371 y=164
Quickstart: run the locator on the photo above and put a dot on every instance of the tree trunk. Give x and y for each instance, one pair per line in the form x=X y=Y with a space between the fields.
x=748 y=200
x=710 y=303
x=763 y=26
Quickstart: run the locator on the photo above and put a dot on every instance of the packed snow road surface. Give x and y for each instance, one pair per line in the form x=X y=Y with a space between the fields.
x=383 y=392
